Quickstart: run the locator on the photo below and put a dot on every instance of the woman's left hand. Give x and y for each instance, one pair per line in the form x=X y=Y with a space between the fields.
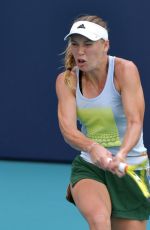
x=114 y=164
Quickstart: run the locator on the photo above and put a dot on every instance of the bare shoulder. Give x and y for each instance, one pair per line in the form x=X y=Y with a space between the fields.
x=61 y=84
x=123 y=66
x=60 y=79
x=126 y=71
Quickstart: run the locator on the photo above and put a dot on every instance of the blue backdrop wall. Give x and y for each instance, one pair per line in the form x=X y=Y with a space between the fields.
x=31 y=38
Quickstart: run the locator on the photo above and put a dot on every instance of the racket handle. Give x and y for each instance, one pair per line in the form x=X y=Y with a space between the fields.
x=122 y=166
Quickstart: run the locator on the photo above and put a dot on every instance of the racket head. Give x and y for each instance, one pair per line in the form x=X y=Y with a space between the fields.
x=141 y=181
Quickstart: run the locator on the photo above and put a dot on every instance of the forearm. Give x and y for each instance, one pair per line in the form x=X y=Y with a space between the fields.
x=131 y=137
x=98 y=154
x=77 y=140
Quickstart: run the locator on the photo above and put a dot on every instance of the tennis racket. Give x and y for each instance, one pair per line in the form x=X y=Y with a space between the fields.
x=140 y=181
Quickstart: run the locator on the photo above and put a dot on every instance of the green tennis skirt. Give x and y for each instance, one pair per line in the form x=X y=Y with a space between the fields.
x=127 y=199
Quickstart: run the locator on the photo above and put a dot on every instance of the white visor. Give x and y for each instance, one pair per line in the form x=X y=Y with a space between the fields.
x=87 y=29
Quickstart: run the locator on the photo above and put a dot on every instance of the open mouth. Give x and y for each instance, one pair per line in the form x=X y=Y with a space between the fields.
x=81 y=61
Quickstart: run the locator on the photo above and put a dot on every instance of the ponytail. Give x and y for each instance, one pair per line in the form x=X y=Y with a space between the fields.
x=69 y=64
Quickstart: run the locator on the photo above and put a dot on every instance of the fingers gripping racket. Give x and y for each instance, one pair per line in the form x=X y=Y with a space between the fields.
x=140 y=181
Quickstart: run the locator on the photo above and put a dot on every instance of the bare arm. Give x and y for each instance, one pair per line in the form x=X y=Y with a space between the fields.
x=67 y=116
x=68 y=124
x=133 y=102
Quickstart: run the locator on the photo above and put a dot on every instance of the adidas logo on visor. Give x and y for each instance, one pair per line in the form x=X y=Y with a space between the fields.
x=81 y=26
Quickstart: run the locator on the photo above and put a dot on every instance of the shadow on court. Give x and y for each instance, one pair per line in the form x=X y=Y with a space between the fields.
x=32 y=197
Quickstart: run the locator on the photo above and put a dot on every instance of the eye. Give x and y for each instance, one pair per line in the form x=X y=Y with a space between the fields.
x=74 y=43
x=89 y=43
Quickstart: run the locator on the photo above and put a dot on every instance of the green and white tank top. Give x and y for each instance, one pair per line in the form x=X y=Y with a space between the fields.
x=103 y=119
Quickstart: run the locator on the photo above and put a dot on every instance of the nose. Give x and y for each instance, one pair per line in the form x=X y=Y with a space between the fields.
x=81 y=49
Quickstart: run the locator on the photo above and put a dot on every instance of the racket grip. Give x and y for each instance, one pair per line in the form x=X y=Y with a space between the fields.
x=122 y=166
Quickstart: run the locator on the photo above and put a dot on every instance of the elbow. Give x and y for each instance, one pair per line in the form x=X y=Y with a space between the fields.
x=66 y=140
x=69 y=134
x=70 y=139
x=137 y=123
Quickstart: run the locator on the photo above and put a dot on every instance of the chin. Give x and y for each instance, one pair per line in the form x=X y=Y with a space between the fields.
x=84 y=69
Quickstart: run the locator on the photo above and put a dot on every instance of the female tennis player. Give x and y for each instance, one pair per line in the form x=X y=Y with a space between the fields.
x=104 y=94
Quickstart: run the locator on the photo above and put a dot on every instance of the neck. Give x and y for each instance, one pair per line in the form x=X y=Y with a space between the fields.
x=98 y=75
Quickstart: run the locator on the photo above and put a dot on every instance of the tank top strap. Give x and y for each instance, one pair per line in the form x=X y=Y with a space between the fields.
x=110 y=75
x=77 y=76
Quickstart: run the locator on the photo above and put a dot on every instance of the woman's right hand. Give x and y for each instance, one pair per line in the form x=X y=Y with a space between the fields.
x=99 y=156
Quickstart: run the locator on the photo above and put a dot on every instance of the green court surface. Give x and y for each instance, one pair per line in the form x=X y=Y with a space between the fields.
x=32 y=197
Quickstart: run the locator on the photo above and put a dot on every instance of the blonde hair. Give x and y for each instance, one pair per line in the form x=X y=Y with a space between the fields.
x=69 y=61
